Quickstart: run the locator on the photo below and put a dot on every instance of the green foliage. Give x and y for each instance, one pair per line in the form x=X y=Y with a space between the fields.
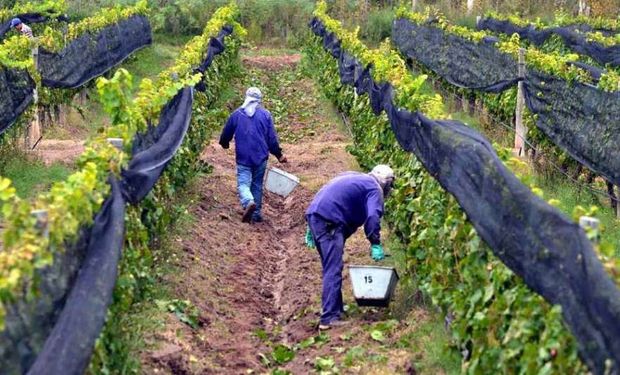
x=387 y=66
x=505 y=327
x=30 y=177
x=325 y=365
x=282 y=354
x=105 y=17
x=49 y=7
x=183 y=310
x=551 y=62
x=72 y=203
x=379 y=25
x=564 y=19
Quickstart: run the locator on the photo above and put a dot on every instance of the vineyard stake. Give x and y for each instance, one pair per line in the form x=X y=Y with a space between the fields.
x=521 y=131
x=33 y=135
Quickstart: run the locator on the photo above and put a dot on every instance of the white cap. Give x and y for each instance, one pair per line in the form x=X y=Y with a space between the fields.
x=253 y=97
x=254 y=93
x=383 y=173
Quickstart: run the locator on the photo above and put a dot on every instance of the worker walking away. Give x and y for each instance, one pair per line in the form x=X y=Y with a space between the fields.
x=255 y=136
x=22 y=27
x=344 y=204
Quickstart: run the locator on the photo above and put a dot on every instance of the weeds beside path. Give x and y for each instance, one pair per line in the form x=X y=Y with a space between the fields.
x=246 y=298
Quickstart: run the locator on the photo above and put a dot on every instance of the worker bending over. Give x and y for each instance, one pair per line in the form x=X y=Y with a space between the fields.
x=347 y=202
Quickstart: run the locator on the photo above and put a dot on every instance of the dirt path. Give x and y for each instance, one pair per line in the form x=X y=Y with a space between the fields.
x=250 y=294
x=63 y=151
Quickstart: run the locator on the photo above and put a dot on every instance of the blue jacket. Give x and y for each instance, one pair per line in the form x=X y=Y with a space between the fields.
x=351 y=200
x=255 y=137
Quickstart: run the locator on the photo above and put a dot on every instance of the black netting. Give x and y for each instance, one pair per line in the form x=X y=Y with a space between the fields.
x=28 y=323
x=16 y=94
x=579 y=118
x=69 y=346
x=216 y=47
x=594 y=71
x=91 y=55
x=540 y=244
x=461 y=62
x=155 y=148
x=574 y=37
x=76 y=309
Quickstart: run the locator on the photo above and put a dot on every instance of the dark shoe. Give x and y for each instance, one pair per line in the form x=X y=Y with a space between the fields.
x=249 y=211
x=332 y=324
x=257 y=219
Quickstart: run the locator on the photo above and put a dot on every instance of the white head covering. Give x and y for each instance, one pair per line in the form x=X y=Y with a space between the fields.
x=253 y=98
x=384 y=176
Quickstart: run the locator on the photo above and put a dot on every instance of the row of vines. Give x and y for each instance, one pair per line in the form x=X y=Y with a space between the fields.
x=496 y=321
x=551 y=59
x=72 y=204
x=17 y=52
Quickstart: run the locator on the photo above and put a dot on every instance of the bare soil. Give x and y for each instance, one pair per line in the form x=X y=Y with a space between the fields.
x=257 y=287
x=63 y=151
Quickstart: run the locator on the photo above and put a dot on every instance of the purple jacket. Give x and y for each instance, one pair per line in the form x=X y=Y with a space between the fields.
x=255 y=137
x=351 y=200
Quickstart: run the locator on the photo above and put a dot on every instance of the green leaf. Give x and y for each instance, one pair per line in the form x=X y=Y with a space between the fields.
x=282 y=354
x=377 y=335
x=324 y=363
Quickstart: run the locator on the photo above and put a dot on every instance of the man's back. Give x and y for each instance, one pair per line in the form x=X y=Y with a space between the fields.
x=255 y=136
x=347 y=200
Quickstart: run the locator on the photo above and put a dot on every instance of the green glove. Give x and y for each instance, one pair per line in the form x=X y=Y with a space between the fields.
x=376 y=252
x=309 y=239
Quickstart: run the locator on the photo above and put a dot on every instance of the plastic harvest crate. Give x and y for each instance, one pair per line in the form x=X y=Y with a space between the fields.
x=373 y=285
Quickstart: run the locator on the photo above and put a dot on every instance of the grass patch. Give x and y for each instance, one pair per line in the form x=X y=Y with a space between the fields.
x=571 y=195
x=32 y=176
x=150 y=61
x=88 y=119
x=432 y=354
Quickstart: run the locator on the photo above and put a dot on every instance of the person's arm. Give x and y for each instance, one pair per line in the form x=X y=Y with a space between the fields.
x=228 y=133
x=374 y=208
x=272 y=140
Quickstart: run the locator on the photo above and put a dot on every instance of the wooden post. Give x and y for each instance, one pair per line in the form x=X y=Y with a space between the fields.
x=414 y=3
x=521 y=131
x=34 y=130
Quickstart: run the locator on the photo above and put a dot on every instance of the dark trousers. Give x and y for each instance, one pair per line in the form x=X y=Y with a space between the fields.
x=329 y=240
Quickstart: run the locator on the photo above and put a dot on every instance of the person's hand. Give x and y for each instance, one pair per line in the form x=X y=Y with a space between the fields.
x=309 y=240
x=283 y=159
x=376 y=252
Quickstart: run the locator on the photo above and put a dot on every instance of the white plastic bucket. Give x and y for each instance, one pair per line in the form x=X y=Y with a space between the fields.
x=280 y=182
x=373 y=285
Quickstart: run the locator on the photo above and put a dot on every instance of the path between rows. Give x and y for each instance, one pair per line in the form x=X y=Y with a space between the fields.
x=257 y=287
